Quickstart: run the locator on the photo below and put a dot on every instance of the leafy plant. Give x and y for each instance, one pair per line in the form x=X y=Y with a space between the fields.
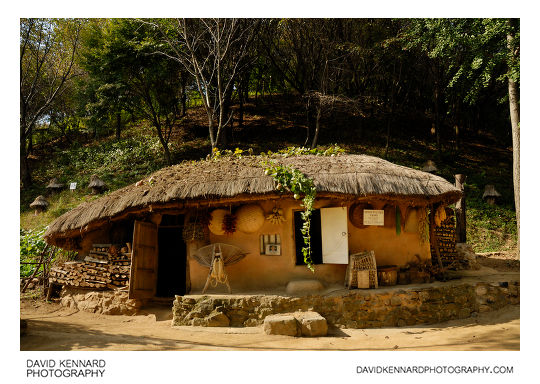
x=293 y=180
x=31 y=246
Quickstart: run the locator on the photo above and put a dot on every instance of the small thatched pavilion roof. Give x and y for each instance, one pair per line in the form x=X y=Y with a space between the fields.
x=54 y=184
x=429 y=166
x=96 y=182
x=490 y=191
x=229 y=180
x=39 y=202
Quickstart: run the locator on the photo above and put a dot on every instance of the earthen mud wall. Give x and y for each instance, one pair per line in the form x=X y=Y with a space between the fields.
x=258 y=271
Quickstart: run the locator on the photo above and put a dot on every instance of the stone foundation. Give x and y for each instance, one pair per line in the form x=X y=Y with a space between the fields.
x=105 y=302
x=354 y=309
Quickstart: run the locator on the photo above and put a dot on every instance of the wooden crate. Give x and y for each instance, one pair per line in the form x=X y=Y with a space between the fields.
x=363 y=261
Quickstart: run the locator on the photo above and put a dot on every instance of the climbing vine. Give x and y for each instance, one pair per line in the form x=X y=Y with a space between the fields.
x=290 y=179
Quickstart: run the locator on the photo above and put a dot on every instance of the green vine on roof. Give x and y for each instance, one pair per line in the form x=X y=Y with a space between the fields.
x=332 y=150
x=290 y=179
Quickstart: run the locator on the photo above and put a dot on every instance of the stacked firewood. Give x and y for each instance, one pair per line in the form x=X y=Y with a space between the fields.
x=446 y=236
x=99 y=270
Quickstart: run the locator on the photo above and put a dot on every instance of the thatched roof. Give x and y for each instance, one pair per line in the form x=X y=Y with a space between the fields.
x=39 y=202
x=349 y=176
x=490 y=191
x=54 y=184
x=429 y=166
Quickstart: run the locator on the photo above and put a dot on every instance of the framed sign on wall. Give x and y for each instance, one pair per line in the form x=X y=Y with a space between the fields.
x=373 y=216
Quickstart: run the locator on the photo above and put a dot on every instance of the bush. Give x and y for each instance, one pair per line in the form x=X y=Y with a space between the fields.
x=31 y=247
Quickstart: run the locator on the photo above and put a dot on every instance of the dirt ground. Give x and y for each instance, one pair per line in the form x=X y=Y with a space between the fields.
x=52 y=327
x=501 y=261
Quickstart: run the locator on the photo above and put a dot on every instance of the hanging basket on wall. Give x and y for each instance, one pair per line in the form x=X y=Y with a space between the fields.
x=249 y=218
x=216 y=222
x=356 y=214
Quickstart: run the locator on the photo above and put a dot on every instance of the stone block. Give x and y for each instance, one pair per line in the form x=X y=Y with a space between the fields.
x=282 y=324
x=481 y=290
x=395 y=301
x=312 y=324
x=464 y=313
x=484 y=308
x=217 y=319
x=251 y=323
x=296 y=287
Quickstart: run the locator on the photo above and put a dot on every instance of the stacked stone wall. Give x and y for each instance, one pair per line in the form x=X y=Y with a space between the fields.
x=105 y=302
x=357 y=309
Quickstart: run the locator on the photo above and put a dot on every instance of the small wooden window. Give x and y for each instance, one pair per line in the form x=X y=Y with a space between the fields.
x=270 y=244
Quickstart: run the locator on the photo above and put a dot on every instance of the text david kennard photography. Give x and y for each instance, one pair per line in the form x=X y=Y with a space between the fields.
x=65 y=368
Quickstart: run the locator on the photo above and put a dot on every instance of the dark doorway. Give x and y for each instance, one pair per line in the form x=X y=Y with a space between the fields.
x=171 y=278
x=316 y=238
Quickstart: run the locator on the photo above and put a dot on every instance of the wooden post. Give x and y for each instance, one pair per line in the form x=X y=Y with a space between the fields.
x=461 y=212
x=434 y=240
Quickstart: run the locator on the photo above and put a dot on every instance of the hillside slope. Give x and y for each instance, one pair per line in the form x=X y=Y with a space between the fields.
x=274 y=125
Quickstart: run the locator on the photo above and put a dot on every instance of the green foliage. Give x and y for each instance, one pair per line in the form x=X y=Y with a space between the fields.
x=31 y=246
x=491 y=228
x=292 y=180
x=473 y=52
x=301 y=186
x=116 y=162
x=332 y=150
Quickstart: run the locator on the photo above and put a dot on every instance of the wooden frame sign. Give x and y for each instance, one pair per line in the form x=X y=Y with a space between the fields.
x=373 y=216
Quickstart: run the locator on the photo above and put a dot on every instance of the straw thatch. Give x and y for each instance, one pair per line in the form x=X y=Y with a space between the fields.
x=490 y=191
x=429 y=166
x=39 y=203
x=96 y=182
x=349 y=176
x=54 y=184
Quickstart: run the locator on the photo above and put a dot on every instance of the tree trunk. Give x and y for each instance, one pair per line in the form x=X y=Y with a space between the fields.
x=437 y=123
x=461 y=213
x=513 y=98
x=26 y=177
x=213 y=142
x=118 y=124
x=241 y=109
x=317 y=126
x=183 y=96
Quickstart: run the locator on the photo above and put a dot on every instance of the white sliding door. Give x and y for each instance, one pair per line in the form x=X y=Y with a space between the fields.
x=335 y=239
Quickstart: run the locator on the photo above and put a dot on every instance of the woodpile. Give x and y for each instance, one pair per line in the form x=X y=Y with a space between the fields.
x=446 y=234
x=106 y=267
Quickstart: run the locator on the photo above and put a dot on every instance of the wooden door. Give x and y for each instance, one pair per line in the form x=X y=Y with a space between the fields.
x=143 y=274
x=335 y=237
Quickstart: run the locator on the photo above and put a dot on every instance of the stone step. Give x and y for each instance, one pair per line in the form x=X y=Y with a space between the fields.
x=310 y=324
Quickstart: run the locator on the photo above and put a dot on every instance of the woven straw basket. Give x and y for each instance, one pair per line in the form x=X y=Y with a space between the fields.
x=216 y=223
x=356 y=214
x=249 y=218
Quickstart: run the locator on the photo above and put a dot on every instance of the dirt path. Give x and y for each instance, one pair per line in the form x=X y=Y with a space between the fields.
x=51 y=327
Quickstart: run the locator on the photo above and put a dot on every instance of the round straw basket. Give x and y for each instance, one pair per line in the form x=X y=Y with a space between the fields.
x=356 y=214
x=249 y=218
x=216 y=222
